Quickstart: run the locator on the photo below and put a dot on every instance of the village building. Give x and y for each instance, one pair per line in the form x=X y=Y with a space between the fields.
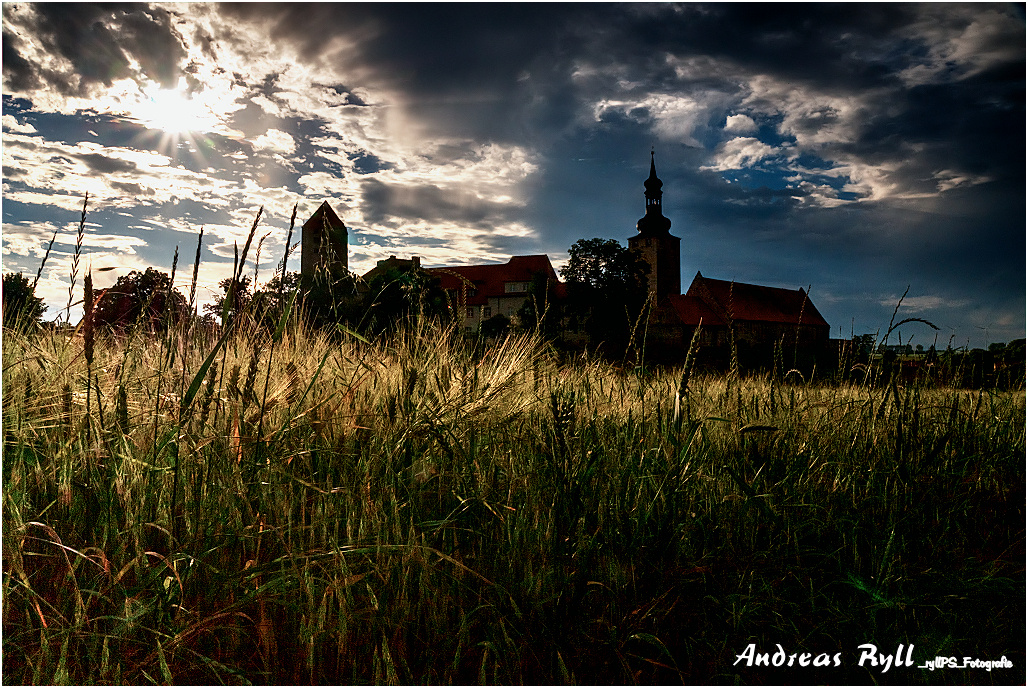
x=384 y=267
x=481 y=292
x=750 y=324
x=760 y=323
x=476 y=292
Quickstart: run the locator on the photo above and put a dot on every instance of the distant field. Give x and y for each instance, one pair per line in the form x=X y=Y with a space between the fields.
x=413 y=510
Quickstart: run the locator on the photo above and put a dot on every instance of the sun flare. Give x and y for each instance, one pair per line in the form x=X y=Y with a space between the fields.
x=174 y=111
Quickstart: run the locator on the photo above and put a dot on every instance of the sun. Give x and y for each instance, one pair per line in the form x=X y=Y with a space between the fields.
x=173 y=111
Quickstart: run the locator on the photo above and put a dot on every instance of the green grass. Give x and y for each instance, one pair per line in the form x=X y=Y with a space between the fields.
x=414 y=510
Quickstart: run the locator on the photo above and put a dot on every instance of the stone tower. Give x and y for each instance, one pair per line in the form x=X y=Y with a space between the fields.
x=655 y=243
x=323 y=244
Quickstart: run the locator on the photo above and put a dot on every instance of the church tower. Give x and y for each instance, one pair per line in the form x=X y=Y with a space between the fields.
x=654 y=242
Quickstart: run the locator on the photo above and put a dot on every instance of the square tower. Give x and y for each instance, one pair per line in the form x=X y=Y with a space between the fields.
x=323 y=244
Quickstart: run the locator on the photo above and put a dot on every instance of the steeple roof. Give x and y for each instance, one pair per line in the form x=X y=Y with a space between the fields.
x=325 y=211
x=654 y=222
x=653 y=183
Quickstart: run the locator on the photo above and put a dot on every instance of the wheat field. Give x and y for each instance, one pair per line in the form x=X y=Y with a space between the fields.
x=301 y=507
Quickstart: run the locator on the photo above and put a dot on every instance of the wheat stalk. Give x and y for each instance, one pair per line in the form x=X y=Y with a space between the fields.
x=75 y=259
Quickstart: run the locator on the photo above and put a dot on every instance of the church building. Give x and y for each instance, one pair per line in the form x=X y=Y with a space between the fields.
x=758 y=323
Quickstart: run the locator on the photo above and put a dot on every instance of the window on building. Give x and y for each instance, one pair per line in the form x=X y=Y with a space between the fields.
x=515 y=287
x=471 y=311
x=487 y=311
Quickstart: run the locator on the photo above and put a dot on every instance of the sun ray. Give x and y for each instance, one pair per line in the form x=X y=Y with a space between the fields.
x=174 y=111
x=173 y=117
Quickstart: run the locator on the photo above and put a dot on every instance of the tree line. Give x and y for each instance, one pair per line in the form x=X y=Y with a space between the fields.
x=605 y=299
x=604 y=306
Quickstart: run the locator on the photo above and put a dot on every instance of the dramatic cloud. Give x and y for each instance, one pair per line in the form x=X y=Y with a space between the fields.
x=860 y=148
x=77 y=48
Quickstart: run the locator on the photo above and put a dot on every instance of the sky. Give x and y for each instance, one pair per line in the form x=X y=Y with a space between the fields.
x=863 y=151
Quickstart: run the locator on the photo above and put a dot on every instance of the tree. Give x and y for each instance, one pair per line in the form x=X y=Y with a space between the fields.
x=543 y=309
x=241 y=298
x=396 y=294
x=140 y=298
x=270 y=301
x=607 y=291
x=605 y=265
x=264 y=306
x=330 y=297
x=20 y=303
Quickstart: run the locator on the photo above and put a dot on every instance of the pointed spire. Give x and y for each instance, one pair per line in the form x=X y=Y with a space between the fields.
x=653 y=184
x=654 y=222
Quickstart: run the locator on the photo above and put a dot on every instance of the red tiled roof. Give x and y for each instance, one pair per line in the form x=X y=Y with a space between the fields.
x=489 y=280
x=718 y=300
x=692 y=310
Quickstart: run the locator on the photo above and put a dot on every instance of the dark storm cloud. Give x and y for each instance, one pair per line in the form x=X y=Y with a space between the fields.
x=132 y=189
x=497 y=72
x=428 y=48
x=19 y=73
x=828 y=43
x=427 y=202
x=99 y=40
x=105 y=165
x=464 y=67
x=971 y=120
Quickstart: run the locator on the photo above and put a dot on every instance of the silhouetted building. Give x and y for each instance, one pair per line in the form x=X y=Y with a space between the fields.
x=485 y=291
x=476 y=292
x=390 y=264
x=656 y=244
x=323 y=244
x=757 y=323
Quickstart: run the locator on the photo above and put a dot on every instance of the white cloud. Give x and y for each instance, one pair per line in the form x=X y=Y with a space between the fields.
x=962 y=41
x=60 y=174
x=827 y=126
x=57 y=173
x=673 y=118
x=438 y=244
x=921 y=304
x=13 y=125
x=948 y=179
x=739 y=153
x=740 y=124
x=814 y=118
x=23 y=239
x=269 y=106
x=276 y=141
x=820 y=195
